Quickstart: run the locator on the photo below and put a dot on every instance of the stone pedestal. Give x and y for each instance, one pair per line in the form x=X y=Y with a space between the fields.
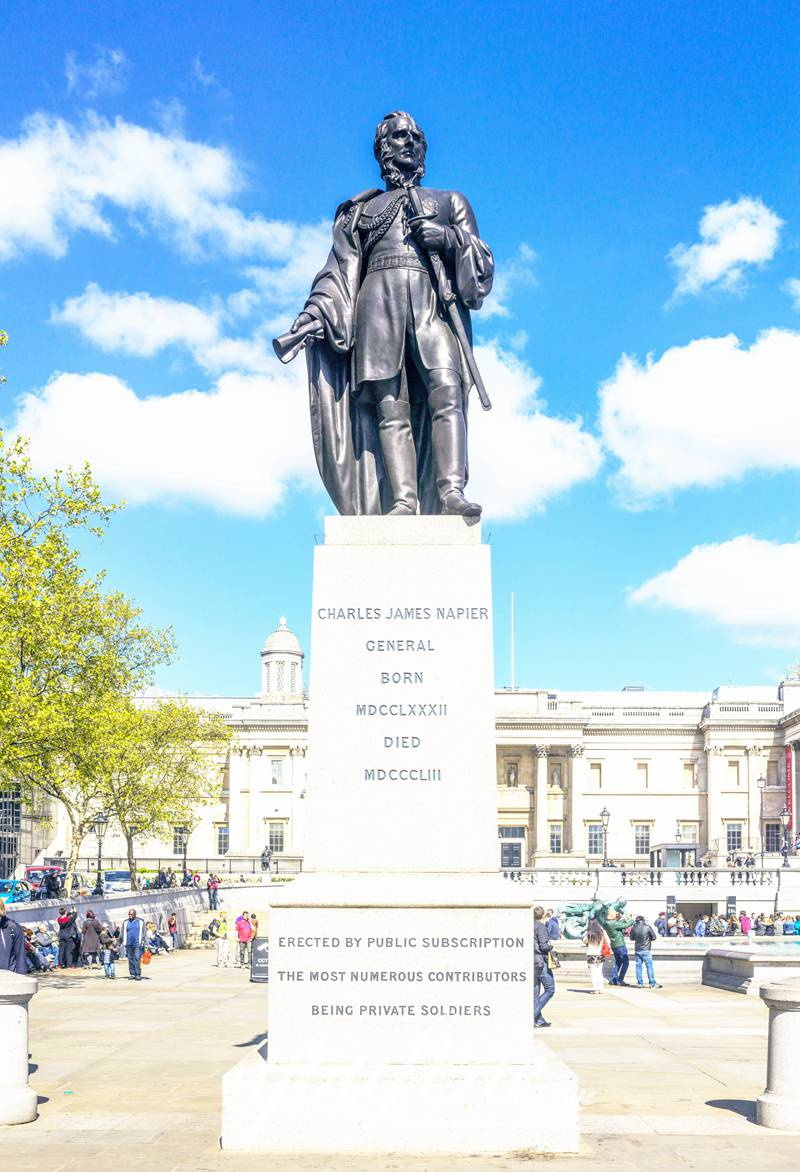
x=17 y=1099
x=779 y=1106
x=401 y=963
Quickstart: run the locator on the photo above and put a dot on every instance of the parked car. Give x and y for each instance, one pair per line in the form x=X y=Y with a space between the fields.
x=117 y=881
x=15 y=891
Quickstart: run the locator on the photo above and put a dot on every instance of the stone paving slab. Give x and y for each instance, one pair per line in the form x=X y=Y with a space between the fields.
x=129 y=1073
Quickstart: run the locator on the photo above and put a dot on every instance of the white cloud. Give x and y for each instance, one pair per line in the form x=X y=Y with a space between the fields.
x=206 y=79
x=734 y=234
x=241 y=445
x=792 y=287
x=107 y=74
x=703 y=414
x=509 y=275
x=137 y=323
x=237 y=448
x=747 y=586
x=59 y=179
x=519 y=456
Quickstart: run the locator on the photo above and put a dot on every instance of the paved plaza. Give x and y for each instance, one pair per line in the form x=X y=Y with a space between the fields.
x=129 y=1073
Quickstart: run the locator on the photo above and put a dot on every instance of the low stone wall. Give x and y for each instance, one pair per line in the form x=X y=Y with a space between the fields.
x=674 y=961
x=745 y=970
x=185 y=902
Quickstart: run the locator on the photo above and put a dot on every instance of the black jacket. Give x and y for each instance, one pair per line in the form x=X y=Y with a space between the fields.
x=12 y=947
x=642 y=936
x=542 y=944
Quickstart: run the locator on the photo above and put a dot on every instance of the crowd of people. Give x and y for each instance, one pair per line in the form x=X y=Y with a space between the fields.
x=608 y=942
x=245 y=930
x=85 y=943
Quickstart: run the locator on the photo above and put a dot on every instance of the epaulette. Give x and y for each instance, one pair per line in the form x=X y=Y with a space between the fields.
x=362 y=197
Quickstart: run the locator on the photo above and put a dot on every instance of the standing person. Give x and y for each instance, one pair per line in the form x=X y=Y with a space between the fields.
x=12 y=944
x=223 y=946
x=615 y=927
x=700 y=926
x=90 y=940
x=745 y=923
x=254 y=924
x=244 y=934
x=661 y=924
x=67 y=935
x=266 y=856
x=553 y=925
x=596 y=942
x=542 y=975
x=134 y=941
x=643 y=936
x=172 y=928
x=213 y=886
x=108 y=952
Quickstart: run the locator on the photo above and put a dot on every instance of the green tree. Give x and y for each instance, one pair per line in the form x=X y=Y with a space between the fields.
x=160 y=761
x=67 y=648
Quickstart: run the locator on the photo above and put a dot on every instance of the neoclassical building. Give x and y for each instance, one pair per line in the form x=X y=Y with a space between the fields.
x=712 y=769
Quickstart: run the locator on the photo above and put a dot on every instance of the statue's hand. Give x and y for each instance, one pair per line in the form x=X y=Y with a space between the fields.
x=431 y=236
x=301 y=320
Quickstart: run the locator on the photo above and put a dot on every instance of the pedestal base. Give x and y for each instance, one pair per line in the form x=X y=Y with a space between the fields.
x=309 y=1107
x=17 y=1105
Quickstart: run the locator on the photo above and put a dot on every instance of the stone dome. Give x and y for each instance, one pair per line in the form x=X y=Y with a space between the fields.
x=282 y=640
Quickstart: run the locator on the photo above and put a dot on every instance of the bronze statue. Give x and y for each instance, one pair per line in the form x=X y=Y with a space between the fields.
x=387 y=333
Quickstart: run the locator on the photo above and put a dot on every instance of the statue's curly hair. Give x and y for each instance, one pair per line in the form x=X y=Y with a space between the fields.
x=381 y=148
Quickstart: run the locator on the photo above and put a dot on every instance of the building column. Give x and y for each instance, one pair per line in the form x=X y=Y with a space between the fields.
x=237 y=819
x=754 y=798
x=715 y=763
x=577 y=789
x=542 y=844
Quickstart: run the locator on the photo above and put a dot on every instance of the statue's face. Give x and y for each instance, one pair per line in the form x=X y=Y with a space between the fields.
x=404 y=142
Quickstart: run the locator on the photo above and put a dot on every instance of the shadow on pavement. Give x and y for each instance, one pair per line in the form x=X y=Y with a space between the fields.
x=744 y=1107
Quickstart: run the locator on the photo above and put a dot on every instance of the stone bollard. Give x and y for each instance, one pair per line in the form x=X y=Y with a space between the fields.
x=17 y=1099
x=779 y=1106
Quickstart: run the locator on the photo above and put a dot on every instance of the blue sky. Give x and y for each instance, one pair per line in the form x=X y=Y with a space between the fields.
x=169 y=175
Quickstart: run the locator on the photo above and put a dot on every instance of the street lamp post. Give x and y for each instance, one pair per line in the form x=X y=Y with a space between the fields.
x=99 y=825
x=604 y=818
x=785 y=817
x=762 y=785
x=185 y=844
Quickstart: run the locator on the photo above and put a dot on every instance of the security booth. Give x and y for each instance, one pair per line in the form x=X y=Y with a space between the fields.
x=679 y=855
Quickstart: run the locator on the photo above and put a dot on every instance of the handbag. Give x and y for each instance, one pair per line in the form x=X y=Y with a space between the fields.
x=605 y=950
x=147 y=956
x=553 y=962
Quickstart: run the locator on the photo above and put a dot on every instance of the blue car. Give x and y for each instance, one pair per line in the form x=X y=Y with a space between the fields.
x=15 y=891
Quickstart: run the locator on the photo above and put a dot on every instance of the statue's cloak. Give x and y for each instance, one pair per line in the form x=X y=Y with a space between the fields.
x=344 y=426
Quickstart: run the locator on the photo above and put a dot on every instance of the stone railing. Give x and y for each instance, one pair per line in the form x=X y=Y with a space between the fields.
x=646 y=877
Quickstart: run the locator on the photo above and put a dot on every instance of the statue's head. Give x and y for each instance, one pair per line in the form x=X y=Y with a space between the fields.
x=400 y=149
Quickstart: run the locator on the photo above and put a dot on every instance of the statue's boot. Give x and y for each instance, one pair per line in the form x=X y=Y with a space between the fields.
x=399 y=455
x=449 y=437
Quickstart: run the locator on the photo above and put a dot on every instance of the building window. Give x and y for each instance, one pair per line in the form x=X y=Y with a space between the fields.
x=511 y=854
x=294 y=678
x=773 y=839
x=689 y=777
x=689 y=832
x=641 y=775
x=641 y=839
x=223 y=838
x=512 y=773
x=733 y=831
x=510 y=831
x=556 y=833
x=276 y=837
x=281 y=673
x=596 y=775
x=733 y=773
x=595 y=838
x=268 y=677
x=772 y=773
x=179 y=837
x=276 y=770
